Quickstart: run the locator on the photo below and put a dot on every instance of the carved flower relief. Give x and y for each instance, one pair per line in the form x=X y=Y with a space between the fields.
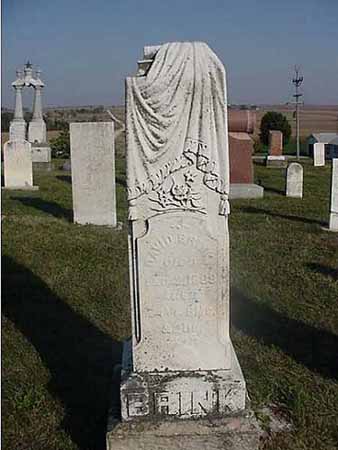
x=180 y=192
x=163 y=197
x=179 y=195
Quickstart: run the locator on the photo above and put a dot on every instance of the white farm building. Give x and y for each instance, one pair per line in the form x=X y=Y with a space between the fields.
x=330 y=141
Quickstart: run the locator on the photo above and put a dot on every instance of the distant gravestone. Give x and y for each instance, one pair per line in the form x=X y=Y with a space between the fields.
x=333 y=225
x=318 y=154
x=183 y=364
x=276 y=157
x=294 y=180
x=93 y=173
x=18 y=168
x=275 y=143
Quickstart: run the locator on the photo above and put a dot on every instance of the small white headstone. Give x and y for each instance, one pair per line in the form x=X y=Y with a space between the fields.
x=18 y=168
x=93 y=173
x=318 y=154
x=334 y=197
x=294 y=180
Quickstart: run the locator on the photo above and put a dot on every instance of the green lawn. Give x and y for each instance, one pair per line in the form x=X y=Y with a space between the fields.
x=66 y=312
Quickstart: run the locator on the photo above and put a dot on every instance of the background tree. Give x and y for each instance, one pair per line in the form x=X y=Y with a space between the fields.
x=61 y=145
x=6 y=117
x=274 y=121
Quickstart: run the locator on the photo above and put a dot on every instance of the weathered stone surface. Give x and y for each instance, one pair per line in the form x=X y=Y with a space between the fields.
x=318 y=154
x=275 y=143
x=37 y=131
x=17 y=130
x=182 y=394
x=245 y=190
x=93 y=173
x=231 y=433
x=294 y=180
x=18 y=169
x=178 y=188
x=333 y=225
x=184 y=295
x=41 y=153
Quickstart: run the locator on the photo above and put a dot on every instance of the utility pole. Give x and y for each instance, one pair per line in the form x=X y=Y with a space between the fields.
x=297 y=81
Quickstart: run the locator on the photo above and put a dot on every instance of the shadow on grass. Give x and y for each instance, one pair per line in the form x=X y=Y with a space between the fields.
x=314 y=348
x=325 y=270
x=274 y=190
x=65 y=178
x=78 y=355
x=121 y=181
x=253 y=210
x=48 y=207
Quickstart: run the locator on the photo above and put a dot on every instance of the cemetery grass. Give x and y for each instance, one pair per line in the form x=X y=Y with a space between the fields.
x=66 y=313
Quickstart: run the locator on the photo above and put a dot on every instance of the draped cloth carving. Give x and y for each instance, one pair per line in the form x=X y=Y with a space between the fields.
x=176 y=116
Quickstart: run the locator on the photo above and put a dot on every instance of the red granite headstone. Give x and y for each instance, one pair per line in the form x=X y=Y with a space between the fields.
x=241 y=145
x=275 y=143
x=240 y=155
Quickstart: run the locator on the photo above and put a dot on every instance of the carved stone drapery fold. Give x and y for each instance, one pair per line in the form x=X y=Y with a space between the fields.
x=176 y=117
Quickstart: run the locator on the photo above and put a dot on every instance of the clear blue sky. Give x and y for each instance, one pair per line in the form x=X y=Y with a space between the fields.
x=86 y=48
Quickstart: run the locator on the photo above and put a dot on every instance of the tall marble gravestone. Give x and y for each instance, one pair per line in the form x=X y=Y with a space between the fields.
x=294 y=180
x=333 y=224
x=37 y=134
x=93 y=173
x=180 y=363
x=18 y=167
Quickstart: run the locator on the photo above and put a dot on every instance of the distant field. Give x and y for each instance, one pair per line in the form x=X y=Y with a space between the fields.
x=312 y=118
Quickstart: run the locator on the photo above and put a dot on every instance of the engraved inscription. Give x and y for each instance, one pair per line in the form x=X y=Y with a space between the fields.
x=180 y=295
x=137 y=405
x=183 y=403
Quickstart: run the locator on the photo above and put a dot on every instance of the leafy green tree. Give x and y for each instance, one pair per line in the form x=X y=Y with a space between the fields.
x=274 y=121
x=61 y=145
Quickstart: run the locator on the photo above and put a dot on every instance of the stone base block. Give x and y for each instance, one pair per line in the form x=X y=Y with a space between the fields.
x=20 y=188
x=37 y=131
x=241 y=190
x=181 y=394
x=333 y=224
x=41 y=153
x=232 y=433
x=45 y=166
x=276 y=161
